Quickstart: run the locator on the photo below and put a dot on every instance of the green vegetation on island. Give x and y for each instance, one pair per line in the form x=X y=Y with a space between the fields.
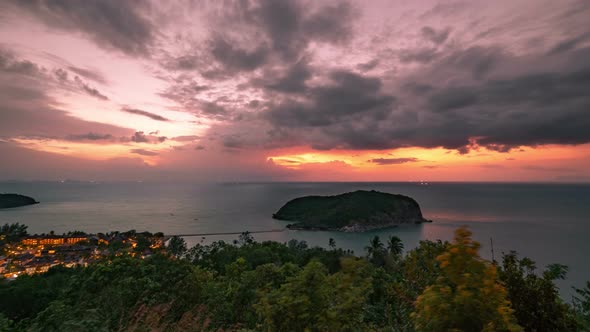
x=15 y=200
x=351 y=212
x=271 y=286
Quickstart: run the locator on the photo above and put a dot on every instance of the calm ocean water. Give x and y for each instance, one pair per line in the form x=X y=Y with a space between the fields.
x=549 y=223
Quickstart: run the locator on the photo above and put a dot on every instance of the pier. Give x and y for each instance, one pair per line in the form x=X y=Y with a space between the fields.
x=224 y=233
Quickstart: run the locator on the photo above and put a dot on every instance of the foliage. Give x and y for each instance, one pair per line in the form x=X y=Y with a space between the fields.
x=177 y=246
x=582 y=306
x=271 y=286
x=12 y=232
x=6 y=324
x=395 y=246
x=534 y=298
x=313 y=300
x=376 y=251
x=467 y=295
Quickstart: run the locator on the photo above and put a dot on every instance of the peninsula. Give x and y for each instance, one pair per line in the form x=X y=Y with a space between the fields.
x=15 y=200
x=356 y=211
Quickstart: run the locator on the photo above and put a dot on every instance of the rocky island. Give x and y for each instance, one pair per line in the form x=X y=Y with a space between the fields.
x=15 y=200
x=357 y=211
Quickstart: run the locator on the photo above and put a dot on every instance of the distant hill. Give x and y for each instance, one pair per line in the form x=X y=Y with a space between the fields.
x=351 y=212
x=15 y=200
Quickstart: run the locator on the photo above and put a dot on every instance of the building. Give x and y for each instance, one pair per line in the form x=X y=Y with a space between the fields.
x=52 y=240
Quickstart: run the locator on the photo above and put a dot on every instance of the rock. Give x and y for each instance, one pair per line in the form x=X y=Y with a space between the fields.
x=357 y=211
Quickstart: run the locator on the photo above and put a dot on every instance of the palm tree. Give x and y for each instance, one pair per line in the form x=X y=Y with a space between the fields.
x=332 y=243
x=395 y=245
x=375 y=247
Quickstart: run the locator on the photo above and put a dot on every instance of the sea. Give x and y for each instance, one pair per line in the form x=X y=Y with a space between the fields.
x=549 y=223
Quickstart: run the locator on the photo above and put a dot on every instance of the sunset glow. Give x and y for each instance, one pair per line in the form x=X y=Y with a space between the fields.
x=323 y=91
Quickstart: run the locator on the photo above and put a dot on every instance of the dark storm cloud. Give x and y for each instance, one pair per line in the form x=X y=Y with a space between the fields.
x=330 y=23
x=290 y=27
x=346 y=95
x=418 y=88
x=144 y=152
x=437 y=37
x=453 y=98
x=529 y=108
x=234 y=58
x=393 y=161
x=457 y=95
x=147 y=114
x=292 y=80
x=480 y=60
x=273 y=31
x=113 y=24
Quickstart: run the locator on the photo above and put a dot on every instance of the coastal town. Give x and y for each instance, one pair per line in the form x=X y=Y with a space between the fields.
x=22 y=253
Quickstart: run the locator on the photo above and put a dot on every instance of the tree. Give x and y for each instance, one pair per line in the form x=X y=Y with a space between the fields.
x=6 y=324
x=177 y=246
x=582 y=306
x=395 y=246
x=313 y=300
x=12 y=232
x=299 y=303
x=376 y=251
x=535 y=299
x=467 y=296
x=246 y=238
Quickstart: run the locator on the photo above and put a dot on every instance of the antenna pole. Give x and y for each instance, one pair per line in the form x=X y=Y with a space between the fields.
x=492 y=245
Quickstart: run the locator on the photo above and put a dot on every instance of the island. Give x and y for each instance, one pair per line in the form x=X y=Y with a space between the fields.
x=356 y=211
x=15 y=200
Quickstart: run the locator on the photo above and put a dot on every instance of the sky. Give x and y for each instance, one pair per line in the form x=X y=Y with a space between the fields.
x=268 y=90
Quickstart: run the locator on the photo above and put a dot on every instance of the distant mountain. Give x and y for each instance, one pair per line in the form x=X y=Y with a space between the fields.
x=351 y=212
x=15 y=200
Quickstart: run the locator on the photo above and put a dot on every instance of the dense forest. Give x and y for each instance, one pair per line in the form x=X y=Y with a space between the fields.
x=270 y=286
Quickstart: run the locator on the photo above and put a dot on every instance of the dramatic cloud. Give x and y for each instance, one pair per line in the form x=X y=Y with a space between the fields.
x=28 y=110
x=275 y=31
x=144 y=113
x=308 y=82
x=122 y=25
x=346 y=95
